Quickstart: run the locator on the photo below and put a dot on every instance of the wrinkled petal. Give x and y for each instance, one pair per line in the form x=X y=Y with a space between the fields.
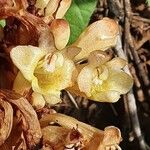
x=116 y=63
x=63 y=7
x=31 y=124
x=7 y=122
x=106 y=82
x=98 y=57
x=37 y=100
x=119 y=81
x=55 y=135
x=61 y=32
x=104 y=73
x=53 y=98
x=100 y=35
x=46 y=40
x=70 y=123
x=71 y=51
x=85 y=80
x=41 y=4
x=90 y=79
x=112 y=135
x=26 y=59
x=106 y=96
x=51 y=7
x=46 y=81
x=21 y=85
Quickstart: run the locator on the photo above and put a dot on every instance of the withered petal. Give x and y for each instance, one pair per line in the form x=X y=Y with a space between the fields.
x=7 y=122
x=33 y=132
x=61 y=32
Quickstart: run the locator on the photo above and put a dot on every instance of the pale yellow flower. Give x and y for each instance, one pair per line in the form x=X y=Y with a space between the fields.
x=47 y=74
x=100 y=35
x=49 y=68
x=104 y=81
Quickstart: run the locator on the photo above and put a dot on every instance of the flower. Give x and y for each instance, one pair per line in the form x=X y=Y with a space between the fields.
x=103 y=80
x=100 y=35
x=46 y=73
x=52 y=66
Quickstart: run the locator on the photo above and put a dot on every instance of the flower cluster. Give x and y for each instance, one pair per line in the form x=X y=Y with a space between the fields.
x=53 y=66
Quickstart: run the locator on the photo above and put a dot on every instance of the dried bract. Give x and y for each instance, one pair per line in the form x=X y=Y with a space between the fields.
x=31 y=126
x=6 y=122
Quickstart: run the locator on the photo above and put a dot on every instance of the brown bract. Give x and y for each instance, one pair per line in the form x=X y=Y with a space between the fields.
x=21 y=23
x=31 y=127
x=6 y=122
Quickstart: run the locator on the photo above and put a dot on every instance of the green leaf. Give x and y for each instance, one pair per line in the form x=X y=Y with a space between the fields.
x=78 y=16
x=2 y=23
x=148 y=2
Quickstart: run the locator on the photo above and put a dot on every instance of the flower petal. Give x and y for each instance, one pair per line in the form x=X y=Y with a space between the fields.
x=85 y=80
x=21 y=85
x=104 y=73
x=53 y=98
x=45 y=81
x=61 y=32
x=37 y=100
x=98 y=57
x=51 y=7
x=41 y=4
x=119 y=81
x=46 y=40
x=71 y=51
x=26 y=59
x=63 y=7
x=116 y=63
x=100 y=35
x=106 y=96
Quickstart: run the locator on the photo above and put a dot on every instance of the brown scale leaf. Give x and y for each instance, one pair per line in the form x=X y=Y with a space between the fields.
x=31 y=126
x=6 y=124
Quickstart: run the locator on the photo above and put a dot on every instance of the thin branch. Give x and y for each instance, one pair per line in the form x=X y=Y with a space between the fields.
x=131 y=102
x=129 y=40
x=141 y=19
x=146 y=37
x=72 y=100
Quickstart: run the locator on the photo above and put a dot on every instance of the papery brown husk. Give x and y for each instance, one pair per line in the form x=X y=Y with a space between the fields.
x=31 y=127
x=16 y=139
x=6 y=121
x=20 y=24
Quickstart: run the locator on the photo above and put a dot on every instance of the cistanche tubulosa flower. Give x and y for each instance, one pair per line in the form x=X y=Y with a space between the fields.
x=46 y=73
x=103 y=79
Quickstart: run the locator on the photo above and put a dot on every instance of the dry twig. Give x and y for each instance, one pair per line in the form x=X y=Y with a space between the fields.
x=131 y=102
x=130 y=43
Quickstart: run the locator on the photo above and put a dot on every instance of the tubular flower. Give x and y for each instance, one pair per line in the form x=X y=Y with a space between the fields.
x=100 y=35
x=103 y=80
x=46 y=73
